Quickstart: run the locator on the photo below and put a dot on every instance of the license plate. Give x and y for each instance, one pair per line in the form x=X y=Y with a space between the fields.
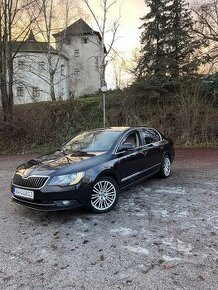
x=29 y=194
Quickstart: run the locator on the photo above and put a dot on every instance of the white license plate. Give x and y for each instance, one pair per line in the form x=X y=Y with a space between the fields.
x=23 y=193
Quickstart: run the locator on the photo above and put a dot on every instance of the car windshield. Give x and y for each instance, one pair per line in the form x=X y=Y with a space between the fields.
x=95 y=141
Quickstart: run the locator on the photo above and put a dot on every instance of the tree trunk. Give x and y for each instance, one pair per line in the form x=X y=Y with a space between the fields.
x=6 y=82
x=10 y=80
x=52 y=90
x=6 y=70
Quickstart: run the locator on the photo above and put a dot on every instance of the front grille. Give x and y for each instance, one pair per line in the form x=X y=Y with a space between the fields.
x=31 y=181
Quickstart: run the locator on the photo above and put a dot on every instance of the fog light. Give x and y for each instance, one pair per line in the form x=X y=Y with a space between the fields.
x=65 y=202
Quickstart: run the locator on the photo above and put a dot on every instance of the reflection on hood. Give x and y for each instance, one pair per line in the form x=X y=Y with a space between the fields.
x=55 y=161
x=63 y=161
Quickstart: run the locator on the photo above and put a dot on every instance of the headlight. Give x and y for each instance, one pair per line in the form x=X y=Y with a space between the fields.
x=68 y=179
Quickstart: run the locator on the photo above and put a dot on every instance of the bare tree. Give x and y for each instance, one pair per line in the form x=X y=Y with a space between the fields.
x=104 y=28
x=131 y=64
x=55 y=16
x=51 y=12
x=119 y=69
x=206 y=26
x=14 y=24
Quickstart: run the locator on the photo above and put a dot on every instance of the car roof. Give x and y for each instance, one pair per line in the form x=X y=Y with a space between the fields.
x=118 y=129
x=114 y=129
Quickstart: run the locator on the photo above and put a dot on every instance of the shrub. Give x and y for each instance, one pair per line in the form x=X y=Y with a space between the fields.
x=188 y=117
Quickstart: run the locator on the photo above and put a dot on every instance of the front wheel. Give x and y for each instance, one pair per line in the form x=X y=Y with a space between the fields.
x=165 y=169
x=105 y=194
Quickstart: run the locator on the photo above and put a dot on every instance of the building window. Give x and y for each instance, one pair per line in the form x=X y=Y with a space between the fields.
x=60 y=94
x=21 y=64
x=41 y=65
x=96 y=63
x=36 y=92
x=76 y=52
x=85 y=39
x=20 y=92
x=63 y=70
x=77 y=72
x=68 y=41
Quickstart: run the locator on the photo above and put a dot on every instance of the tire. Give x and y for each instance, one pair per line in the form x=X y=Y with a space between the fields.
x=165 y=168
x=105 y=194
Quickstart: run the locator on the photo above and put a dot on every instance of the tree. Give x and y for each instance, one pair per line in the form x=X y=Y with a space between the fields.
x=119 y=70
x=181 y=41
x=168 y=45
x=153 y=58
x=53 y=15
x=133 y=62
x=104 y=28
x=14 y=24
x=206 y=27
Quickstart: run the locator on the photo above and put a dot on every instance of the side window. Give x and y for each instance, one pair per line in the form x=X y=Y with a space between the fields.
x=132 y=138
x=150 y=136
x=155 y=135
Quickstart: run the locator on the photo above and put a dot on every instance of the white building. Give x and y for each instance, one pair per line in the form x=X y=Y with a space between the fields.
x=75 y=63
x=82 y=45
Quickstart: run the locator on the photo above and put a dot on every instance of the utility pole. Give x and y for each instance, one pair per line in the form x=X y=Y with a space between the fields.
x=104 y=90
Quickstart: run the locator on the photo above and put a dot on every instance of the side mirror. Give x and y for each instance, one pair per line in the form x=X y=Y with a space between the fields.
x=126 y=147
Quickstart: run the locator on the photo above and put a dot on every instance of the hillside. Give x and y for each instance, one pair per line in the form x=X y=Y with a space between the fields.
x=38 y=127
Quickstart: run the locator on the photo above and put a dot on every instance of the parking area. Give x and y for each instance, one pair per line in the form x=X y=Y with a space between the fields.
x=163 y=234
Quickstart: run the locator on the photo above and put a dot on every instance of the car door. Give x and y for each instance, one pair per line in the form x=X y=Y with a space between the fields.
x=153 y=151
x=129 y=164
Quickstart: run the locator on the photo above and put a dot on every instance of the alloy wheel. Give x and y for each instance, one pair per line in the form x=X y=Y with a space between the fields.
x=167 y=166
x=103 y=196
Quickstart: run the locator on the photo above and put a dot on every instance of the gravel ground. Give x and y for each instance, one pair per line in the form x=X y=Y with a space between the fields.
x=163 y=234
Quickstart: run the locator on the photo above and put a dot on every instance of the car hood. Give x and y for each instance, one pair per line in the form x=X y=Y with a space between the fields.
x=60 y=163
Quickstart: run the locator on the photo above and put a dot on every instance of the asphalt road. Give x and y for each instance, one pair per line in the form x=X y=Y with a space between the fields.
x=163 y=234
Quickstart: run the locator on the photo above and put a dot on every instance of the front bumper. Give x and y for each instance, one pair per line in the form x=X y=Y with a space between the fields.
x=46 y=206
x=52 y=198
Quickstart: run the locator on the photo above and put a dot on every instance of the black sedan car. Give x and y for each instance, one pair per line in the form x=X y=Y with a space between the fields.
x=92 y=168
